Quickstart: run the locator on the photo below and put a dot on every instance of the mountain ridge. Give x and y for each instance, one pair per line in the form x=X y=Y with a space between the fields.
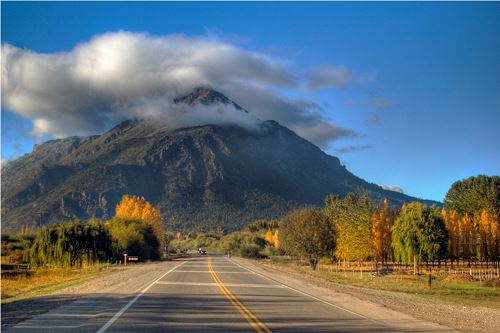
x=209 y=175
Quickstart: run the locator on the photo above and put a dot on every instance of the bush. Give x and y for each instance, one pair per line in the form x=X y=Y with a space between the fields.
x=133 y=237
x=250 y=251
x=237 y=242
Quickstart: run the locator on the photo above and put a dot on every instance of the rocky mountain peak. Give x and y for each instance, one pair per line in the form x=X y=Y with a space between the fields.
x=206 y=96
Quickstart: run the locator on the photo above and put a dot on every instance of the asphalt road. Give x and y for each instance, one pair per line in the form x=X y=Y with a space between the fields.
x=203 y=294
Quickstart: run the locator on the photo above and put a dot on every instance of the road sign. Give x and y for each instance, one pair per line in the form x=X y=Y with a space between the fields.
x=132 y=258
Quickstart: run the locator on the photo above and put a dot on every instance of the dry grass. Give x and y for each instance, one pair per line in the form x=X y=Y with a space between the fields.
x=43 y=281
x=470 y=293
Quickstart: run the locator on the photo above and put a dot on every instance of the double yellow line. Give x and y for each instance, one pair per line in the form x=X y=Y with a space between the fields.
x=254 y=322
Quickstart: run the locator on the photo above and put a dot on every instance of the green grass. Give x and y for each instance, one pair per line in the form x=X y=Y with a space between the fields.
x=469 y=294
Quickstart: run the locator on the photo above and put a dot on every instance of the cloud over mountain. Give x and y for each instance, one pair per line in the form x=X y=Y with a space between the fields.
x=118 y=75
x=392 y=188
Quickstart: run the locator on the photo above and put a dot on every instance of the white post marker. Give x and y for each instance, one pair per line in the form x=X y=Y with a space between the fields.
x=132 y=301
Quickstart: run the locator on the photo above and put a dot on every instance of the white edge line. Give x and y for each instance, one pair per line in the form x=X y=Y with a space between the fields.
x=132 y=301
x=304 y=293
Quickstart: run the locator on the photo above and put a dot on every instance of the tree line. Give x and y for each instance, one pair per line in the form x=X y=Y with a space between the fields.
x=353 y=228
x=136 y=229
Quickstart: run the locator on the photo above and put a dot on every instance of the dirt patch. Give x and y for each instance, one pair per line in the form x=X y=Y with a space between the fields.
x=495 y=283
x=460 y=278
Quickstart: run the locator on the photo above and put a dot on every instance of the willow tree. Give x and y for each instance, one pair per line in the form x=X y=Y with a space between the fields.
x=419 y=234
x=71 y=244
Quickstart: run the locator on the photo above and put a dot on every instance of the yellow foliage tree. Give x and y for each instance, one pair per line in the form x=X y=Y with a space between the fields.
x=272 y=238
x=268 y=237
x=136 y=207
x=382 y=221
x=276 y=239
x=489 y=236
x=452 y=224
x=469 y=234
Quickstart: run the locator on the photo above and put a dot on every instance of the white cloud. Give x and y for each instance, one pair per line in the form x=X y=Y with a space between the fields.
x=392 y=188
x=330 y=77
x=350 y=149
x=118 y=75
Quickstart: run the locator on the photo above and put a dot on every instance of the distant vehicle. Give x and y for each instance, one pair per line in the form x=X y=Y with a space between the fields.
x=202 y=251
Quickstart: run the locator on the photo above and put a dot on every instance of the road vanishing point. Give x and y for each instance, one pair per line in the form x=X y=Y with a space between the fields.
x=209 y=293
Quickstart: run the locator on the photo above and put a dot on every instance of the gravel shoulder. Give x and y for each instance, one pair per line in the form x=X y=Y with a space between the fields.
x=123 y=280
x=400 y=310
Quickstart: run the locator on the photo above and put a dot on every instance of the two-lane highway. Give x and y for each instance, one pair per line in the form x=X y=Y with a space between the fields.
x=214 y=294
x=208 y=294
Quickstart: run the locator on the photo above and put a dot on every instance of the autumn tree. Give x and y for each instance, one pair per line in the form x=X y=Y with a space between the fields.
x=452 y=224
x=272 y=238
x=468 y=232
x=306 y=233
x=382 y=222
x=135 y=207
x=351 y=220
x=418 y=234
x=488 y=236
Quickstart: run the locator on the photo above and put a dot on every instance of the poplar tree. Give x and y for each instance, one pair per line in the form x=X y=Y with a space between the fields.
x=382 y=222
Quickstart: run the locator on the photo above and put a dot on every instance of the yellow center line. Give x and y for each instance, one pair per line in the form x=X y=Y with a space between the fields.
x=254 y=322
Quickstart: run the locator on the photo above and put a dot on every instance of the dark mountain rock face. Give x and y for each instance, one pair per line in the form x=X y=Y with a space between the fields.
x=206 y=176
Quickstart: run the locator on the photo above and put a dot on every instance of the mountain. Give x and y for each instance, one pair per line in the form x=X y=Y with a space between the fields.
x=204 y=176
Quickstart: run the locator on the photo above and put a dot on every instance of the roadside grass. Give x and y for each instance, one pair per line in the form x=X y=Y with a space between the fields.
x=44 y=281
x=469 y=294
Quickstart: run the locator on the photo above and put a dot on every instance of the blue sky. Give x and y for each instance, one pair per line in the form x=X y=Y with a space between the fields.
x=424 y=100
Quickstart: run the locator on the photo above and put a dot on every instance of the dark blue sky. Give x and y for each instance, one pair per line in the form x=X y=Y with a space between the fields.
x=426 y=100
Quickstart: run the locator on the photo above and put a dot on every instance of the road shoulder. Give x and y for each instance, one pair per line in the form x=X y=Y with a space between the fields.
x=363 y=301
x=120 y=283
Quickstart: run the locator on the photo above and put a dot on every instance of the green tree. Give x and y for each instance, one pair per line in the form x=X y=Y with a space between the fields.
x=419 y=234
x=307 y=233
x=244 y=243
x=71 y=244
x=134 y=237
x=474 y=194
